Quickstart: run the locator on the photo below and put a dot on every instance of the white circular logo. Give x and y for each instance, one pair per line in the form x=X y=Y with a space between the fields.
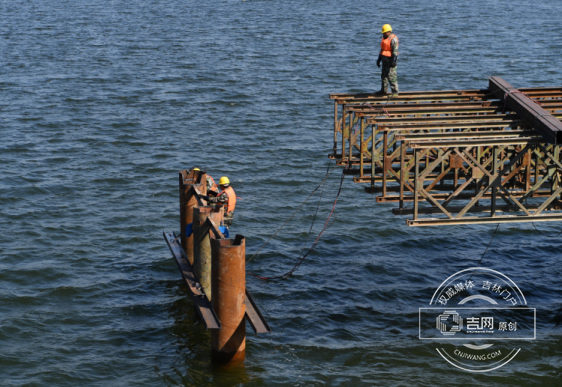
x=477 y=315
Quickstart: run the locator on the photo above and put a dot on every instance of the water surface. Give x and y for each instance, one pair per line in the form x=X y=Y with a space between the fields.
x=103 y=102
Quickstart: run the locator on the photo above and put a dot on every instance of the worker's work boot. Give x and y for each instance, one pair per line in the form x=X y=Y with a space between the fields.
x=394 y=94
x=381 y=93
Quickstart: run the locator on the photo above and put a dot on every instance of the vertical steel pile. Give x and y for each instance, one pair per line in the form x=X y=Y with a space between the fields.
x=202 y=245
x=190 y=186
x=228 y=284
x=213 y=265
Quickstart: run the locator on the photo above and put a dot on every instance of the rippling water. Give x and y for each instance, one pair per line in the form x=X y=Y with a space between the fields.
x=103 y=102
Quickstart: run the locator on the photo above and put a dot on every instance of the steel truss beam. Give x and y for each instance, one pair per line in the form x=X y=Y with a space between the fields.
x=444 y=147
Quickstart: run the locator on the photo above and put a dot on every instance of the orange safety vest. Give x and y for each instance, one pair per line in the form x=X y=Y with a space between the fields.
x=230 y=204
x=213 y=185
x=386 y=48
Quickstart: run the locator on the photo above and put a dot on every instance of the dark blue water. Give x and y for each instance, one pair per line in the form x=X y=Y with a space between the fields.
x=101 y=103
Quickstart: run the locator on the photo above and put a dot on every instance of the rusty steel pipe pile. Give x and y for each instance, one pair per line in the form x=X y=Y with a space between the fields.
x=214 y=270
x=456 y=156
x=188 y=201
x=228 y=288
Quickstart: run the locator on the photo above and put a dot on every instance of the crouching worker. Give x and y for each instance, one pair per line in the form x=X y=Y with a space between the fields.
x=211 y=186
x=227 y=198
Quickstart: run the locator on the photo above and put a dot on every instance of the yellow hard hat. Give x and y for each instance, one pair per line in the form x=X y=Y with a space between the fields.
x=196 y=169
x=224 y=181
x=386 y=28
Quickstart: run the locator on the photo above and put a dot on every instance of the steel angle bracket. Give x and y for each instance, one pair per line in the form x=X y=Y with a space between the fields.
x=200 y=300
x=254 y=316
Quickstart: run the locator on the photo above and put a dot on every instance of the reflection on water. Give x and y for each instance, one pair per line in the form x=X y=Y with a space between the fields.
x=193 y=346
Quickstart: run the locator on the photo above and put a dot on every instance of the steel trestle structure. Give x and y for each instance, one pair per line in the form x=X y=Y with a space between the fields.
x=456 y=156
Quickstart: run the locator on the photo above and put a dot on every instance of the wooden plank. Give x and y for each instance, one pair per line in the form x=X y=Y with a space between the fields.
x=202 y=303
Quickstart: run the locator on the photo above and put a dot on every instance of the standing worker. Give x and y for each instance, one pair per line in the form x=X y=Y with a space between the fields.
x=388 y=56
x=227 y=198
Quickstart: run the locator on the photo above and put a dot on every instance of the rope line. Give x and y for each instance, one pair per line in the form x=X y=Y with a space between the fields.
x=328 y=173
x=314 y=244
x=489 y=244
x=313 y=220
x=548 y=236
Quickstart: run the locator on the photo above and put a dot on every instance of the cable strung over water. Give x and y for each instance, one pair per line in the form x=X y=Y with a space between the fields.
x=301 y=259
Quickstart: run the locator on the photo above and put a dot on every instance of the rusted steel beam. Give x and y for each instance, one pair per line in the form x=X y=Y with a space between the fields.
x=339 y=156
x=254 y=316
x=373 y=155
x=484 y=139
x=402 y=111
x=468 y=92
x=432 y=119
x=465 y=125
x=409 y=93
x=200 y=300
x=538 y=95
x=214 y=228
x=476 y=209
x=366 y=108
x=464 y=135
x=439 y=196
x=504 y=167
x=459 y=118
x=527 y=109
x=450 y=187
x=377 y=110
x=414 y=97
x=336 y=127
x=470 y=142
x=532 y=90
x=348 y=98
x=480 y=220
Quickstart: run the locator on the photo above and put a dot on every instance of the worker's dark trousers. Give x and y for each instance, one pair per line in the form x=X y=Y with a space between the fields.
x=227 y=221
x=389 y=76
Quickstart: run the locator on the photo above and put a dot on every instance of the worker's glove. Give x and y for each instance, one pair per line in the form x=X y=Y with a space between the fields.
x=393 y=64
x=379 y=61
x=205 y=197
